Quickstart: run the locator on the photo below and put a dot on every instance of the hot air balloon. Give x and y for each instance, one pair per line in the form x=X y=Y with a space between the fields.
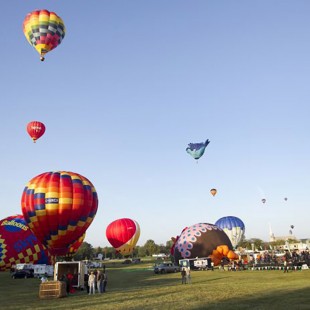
x=59 y=207
x=285 y=199
x=35 y=130
x=18 y=245
x=263 y=200
x=203 y=240
x=44 y=30
x=233 y=227
x=123 y=234
x=213 y=191
x=196 y=150
x=292 y=226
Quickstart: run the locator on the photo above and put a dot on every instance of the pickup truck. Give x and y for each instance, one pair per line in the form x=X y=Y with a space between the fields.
x=166 y=268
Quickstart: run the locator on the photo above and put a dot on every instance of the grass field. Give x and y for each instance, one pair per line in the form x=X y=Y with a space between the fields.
x=137 y=287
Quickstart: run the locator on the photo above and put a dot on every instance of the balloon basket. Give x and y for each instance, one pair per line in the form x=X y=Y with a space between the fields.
x=52 y=289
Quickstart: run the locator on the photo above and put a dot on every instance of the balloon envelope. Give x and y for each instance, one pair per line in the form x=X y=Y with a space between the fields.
x=35 y=130
x=233 y=227
x=196 y=150
x=76 y=245
x=44 y=30
x=203 y=240
x=18 y=245
x=59 y=207
x=123 y=234
x=263 y=200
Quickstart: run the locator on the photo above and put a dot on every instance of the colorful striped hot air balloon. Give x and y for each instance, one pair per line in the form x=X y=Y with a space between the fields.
x=59 y=207
x=123 y=234
x=18 y=245
x=35 y=130
x=44 y=30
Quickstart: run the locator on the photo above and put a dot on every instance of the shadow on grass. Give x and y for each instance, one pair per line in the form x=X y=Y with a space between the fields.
x=295 y=299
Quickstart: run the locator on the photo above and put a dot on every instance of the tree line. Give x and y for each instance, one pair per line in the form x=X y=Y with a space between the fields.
x=88 y=252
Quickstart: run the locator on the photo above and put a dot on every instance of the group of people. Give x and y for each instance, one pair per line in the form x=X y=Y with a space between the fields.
x=186 y=275
x=96 y=280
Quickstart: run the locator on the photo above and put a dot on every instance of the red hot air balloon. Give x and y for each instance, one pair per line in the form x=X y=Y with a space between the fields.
x=35 y=130
x=59 y=207
x=123 y=234
x=18 y=245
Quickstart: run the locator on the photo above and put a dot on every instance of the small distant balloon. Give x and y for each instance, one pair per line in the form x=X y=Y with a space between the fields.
x=292 y=226
x=213 y=191
x=196 y=150
x=285 y=199
x=35 y=130
x=263 y=200
x=291 y=232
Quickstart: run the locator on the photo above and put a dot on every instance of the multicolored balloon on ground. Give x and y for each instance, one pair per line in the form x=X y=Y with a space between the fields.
x=35 y=130
x=18 y=245
x=196 y=150
x=203 y=240
x=233 y=227
x=123 y=234
x=59 y=207
x=44 y=30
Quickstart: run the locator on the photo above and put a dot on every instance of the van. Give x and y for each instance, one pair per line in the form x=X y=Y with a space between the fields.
x=43 y=270
x=77 y=269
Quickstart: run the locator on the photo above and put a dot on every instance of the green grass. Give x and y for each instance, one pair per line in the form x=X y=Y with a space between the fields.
x=137 y=287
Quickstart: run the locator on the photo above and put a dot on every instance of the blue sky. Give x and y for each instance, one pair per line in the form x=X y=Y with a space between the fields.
x=134 y=82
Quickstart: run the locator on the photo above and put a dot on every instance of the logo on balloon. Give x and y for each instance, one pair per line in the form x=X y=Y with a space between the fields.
x=14 y=225
x=51 y=200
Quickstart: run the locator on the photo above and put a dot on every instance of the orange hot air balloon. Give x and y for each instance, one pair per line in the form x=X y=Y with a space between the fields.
x=58 y=208
x=213 y=191
x=123 y=234
x=35 y=130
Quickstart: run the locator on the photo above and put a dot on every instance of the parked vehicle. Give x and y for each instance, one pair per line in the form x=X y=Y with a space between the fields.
x=166 y=268
x=77 y=269
x=43 y=270
x=22 y=274
x=202 y=263
x=24 y=266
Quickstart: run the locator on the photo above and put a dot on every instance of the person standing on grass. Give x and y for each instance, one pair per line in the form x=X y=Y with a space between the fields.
x=86 y=277
x=91 y=283
x=105 y=281
x=188 y=275
x=212 y=265
x=285 y=266
x=183 y=274
x=99 y=282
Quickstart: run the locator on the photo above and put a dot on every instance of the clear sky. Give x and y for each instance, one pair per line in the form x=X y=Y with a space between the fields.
x=134 y=82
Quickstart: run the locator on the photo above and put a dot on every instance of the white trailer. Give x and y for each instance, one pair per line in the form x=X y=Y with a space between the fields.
x=43 y=270
x=77 y=269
